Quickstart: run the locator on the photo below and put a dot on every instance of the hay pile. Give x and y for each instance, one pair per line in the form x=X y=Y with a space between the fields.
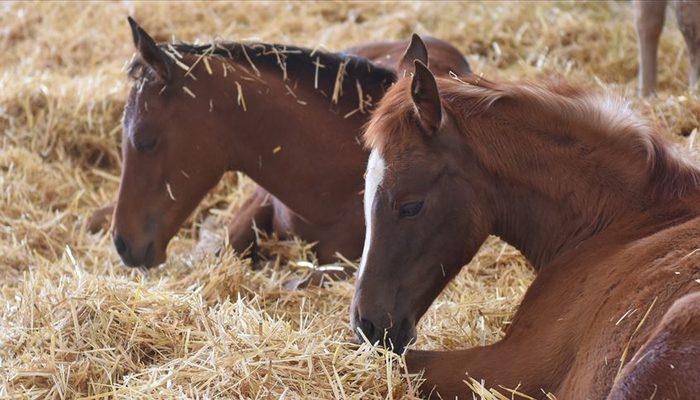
x=75 y=323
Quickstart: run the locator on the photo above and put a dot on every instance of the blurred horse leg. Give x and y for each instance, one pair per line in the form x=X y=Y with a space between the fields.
x=255 y=213
x=100 y=218
x=649 y=22
x=688 y=16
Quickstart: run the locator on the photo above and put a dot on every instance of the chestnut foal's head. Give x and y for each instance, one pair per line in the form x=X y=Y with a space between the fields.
x=171 y=157
x=423 y=210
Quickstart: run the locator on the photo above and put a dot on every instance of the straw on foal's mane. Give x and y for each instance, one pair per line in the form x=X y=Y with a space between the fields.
x=289 y=60
x=597 y=119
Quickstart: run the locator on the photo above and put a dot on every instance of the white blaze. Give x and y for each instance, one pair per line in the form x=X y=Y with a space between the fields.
x=373 y=178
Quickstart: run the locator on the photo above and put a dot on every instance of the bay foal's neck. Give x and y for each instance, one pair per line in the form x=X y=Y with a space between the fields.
x=558 y=180
x=297 y=135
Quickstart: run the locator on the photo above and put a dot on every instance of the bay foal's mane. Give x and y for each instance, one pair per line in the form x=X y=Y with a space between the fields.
x=290 y=61
x=561 y=114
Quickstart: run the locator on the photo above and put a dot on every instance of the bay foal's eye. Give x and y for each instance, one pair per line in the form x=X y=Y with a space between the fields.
x=410 y=209
x=146 y=145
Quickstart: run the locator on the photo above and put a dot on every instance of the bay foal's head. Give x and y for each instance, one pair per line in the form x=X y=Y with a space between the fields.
x=170 y=158
x=418 y=231
x=187 y=121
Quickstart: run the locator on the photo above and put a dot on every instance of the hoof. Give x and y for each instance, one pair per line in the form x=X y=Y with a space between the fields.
x=295 y=283
x=315 y=279
x=100 y=219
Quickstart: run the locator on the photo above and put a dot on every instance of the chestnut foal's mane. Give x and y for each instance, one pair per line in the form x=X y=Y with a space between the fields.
x=583 y=117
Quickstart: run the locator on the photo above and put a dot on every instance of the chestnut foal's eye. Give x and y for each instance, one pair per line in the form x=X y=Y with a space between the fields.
x=410 y=209
x=146 y=145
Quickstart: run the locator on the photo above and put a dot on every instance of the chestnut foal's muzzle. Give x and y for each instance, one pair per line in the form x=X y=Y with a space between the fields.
x=393 y=335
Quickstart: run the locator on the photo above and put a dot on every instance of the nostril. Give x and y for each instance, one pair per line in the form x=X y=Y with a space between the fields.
x=149 y=255
x=120 y=245
x=368 y=329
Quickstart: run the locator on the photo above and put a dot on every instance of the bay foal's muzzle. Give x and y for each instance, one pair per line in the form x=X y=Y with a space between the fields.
x=144 y=253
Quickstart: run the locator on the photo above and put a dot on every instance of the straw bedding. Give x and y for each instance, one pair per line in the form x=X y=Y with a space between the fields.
x=76 y=324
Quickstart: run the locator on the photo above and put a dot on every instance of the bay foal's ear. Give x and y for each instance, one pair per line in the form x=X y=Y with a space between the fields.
x=416 y=50
x=151 y=54
x=426 y=98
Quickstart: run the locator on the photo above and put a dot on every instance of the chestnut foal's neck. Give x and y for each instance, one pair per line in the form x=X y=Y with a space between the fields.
x=293 y=138
x=551 y=192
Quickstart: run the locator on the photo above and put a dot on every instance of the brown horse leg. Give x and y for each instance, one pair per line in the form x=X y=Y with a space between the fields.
x=256 y=212
x=100 y=218
x=688 y=17
x=649 y=21
x=666 y=366
x=501 y=365
x=341 y=239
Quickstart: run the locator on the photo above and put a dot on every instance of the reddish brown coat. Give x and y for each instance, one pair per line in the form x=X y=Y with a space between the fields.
x=607 y=212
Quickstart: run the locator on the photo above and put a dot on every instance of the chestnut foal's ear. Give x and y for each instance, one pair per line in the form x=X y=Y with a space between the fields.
x=416 y=50
x=426 y=98
x=151 y=54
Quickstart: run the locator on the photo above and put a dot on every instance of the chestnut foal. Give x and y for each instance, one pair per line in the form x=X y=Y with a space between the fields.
x=604 y=209
x=288 y=117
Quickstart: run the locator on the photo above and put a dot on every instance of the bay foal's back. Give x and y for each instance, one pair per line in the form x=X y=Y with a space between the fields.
x=605 y=210
x=288 y=117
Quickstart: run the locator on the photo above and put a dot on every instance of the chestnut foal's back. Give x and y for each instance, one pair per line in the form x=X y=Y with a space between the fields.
x=606 y=211
x=288 y=117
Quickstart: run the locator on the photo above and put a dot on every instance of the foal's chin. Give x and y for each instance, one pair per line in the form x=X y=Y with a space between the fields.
x=399 y=341
x=158 y=260
x=152 y=257
x=395 y=341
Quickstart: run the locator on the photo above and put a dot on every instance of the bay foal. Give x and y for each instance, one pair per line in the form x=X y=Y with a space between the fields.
x=288 y=117
x=602 y=207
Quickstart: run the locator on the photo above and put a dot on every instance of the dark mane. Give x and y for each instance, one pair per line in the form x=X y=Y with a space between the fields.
x=291 y=61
